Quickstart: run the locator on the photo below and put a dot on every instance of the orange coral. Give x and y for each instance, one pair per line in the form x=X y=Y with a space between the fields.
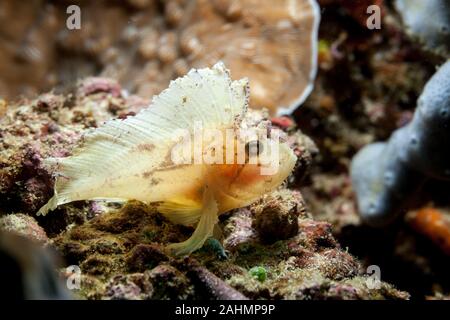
x=435 y=224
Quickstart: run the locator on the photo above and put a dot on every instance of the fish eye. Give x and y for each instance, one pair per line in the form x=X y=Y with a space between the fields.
x=253 y=148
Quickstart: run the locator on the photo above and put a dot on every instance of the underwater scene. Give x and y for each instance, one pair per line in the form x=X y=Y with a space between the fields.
x=225 y=150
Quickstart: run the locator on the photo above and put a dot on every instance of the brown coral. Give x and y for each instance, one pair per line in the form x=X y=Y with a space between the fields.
x=274 y=44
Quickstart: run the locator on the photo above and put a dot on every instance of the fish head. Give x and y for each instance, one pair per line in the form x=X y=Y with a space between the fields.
x=267 y=164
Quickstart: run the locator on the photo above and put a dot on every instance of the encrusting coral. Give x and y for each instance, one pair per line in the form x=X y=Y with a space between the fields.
x=414 y=153
x=276 y=215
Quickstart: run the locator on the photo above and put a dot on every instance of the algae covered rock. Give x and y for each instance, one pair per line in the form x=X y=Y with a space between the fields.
x=276 y=215
x=25 y=226
x=130 y=287
x=123 y=250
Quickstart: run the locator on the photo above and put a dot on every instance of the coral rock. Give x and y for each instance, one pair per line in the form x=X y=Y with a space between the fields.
x=170 y=283
x=25 y=226
x=213 y=285
x=135 y=286
x=276 y=215
x=96 y=85
x=145 y=256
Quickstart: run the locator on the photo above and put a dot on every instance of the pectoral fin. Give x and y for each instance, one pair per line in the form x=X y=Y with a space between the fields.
x=205 y=227
x=181 y=211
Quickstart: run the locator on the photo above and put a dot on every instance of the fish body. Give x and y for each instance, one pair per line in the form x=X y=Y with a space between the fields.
x=154 y=156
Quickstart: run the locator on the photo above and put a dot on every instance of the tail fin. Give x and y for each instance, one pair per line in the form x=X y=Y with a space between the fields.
x=76 y=180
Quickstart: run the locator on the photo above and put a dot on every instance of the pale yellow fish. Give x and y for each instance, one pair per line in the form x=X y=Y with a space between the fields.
x=133 y=158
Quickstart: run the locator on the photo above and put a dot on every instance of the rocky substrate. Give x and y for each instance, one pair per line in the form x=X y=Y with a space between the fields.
x=273 y=249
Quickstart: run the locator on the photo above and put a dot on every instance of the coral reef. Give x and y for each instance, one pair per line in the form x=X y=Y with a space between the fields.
x=135 y=286
x=120 y=250
x=366 y=88
x=309 y=264
x=414 y=153
x=145 y=44
x=213 y=286
x=429 y=21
